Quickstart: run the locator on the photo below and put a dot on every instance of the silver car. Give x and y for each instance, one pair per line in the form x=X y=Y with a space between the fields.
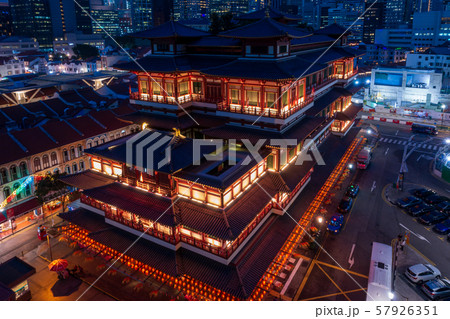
x=422 y=272
x=436 y=289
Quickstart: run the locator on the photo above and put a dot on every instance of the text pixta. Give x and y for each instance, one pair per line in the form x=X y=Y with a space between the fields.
x=337 y=311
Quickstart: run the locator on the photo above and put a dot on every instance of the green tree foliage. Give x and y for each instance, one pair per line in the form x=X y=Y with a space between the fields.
x=51 y=187
x=85 y=51
x=221 y=23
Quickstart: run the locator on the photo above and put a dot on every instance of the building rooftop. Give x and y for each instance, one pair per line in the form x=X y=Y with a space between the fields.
x=170 y=29
x=14 y=271
x=268 y=11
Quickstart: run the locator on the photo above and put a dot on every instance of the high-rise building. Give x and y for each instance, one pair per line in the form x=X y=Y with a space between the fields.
x=190 y=9
x=107 y=18
x=141 y=14
x=5 y=19
x=430 y=29
x=373 y=19
x=236 y=7
x=399 y=13
x=162 y=11
x=33 y=19
x=83 y=21
x=62 y=13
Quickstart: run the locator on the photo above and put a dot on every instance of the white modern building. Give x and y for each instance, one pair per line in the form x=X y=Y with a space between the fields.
x=405 y=86
x=11 y=66
x=397 y=38
x=14 y=45
x=66 y=44
x=433 y=58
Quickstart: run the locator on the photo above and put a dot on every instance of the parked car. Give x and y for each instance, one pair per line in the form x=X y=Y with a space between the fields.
x=436 y=289
x=422 y=192
x=363 y=159
x=442 y=228
x=345 y=205
x=432 y=218
x=443 y=207
x=422 y=272
x=434 y=199
x=335 y=224
x=408 y=201
x=419 y=209
x=352 y=190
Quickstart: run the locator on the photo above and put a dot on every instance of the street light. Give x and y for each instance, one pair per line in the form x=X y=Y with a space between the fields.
x=350 y=166
x=391 y=295
x=369 y=131
x=356 y=82
x=447 y=141
x=367 y=81
x=442 y=115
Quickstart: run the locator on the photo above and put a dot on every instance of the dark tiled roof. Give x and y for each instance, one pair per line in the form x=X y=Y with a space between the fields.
x=86 y=219
x=168 y=122
x=214 y=41
x=143 y=250
x=329 y=55
x=262 y=13
x=321 y=103
x=265 y=28
x=175 y=63
x=62 y=132
x=14 y=152
x=294 y=173
x=290 y=68
x=35 y=140
x=87 y=179
x=25 y=207
x=39 y=107
x=299 y=131
x=239 y=214
x=6 y=293
x=14 y=271
x=312 y=39
x=17 y=113
x=349 y=114
x=72 y=97
x=90 y=95
x=87 y=126
x=57 y=105
x=168 y=30
x=139 y=202
x=109 y=120
x=333 y=29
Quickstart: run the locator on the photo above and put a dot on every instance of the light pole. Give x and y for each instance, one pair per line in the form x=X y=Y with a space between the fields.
x=442 y=115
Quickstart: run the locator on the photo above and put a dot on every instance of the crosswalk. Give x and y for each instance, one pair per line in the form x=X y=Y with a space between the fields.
x=421 y=145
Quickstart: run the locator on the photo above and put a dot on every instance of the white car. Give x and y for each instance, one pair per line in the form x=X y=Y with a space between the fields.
x=422 y=272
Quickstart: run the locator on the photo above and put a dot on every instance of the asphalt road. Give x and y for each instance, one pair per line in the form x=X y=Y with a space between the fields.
x=373 y=219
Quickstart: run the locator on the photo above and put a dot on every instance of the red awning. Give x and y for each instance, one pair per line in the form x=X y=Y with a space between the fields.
x=22 y=208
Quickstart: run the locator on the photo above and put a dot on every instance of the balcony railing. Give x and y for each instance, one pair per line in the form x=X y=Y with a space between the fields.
x=172 y=100
x=267 y=112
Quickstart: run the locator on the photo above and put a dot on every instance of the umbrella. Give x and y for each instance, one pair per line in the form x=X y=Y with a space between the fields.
x=58 y=265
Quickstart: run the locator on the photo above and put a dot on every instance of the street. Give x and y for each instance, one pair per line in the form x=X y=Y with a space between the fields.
x=373 y=218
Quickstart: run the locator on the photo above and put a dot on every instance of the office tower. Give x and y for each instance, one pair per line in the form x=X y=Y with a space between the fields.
x=373 y=19
x=107 y=17
x=5 y=19
x=191 y=9
x=236 y=7
x=162 y=11
x=83 y=21
x=398 y=13
x=33 y=19
x=141 y=14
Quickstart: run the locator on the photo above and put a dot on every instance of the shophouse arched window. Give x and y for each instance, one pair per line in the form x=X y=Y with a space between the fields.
x=72 y=153
x=45 y=161
x=23 y=169
x=81 y=166
x=27 y=190
x=68 y=169
x=54 y=158
x=18 y=194
x=3 y=176
x=14 y=172
x=6 y=192
x=74 y=167
x=80 y=150
x=66 y=155
x=37 y=164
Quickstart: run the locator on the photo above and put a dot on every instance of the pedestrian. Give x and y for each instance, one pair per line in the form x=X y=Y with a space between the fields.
x=403 y=243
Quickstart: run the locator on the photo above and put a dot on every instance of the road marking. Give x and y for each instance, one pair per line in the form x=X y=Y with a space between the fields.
x=286 y=285
x=394 y=141
x=341 y=269
x=441 y=238
x=335 y=294
x=332 y=281
x=435 y=148
x=351 y=260
x=390 y=140
x=382 y=139
x=404 y=142
x=373 y=186
x=305 y=279
x=396 y=133
x=425 y=257
x=430 y=146
x=387 y=150
x=417 y=235
x=428 y=228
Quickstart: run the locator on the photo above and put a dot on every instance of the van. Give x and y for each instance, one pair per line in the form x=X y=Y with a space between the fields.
x=363 y=159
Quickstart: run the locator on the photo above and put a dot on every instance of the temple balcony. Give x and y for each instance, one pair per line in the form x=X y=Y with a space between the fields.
x=163 y=100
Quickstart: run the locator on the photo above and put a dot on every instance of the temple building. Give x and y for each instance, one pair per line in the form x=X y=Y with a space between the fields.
x=250 y=87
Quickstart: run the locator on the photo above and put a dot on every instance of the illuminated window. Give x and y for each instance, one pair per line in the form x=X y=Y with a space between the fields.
x=198 y=194
x=227 y=197
x=96 y=164
x=143 y=83
x=37 y=164
x=213 y=199
x=117 y=170
x=270 y=100
x=107 y=168
x=213 y=241
x=235 y=96
x=252 y=97
x=183 y=88
x=156 y=85
x=54 y=158
x=197 y=87
x=81 y=166
x=169 y=89
x=185 y=232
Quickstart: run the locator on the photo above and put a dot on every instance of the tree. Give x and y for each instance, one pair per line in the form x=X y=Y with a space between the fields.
x=85 y=51
x=51 y=187
x=221 y=23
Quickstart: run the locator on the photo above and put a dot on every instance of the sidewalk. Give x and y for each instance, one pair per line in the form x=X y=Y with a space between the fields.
x=405 y=290
x=399 y=119
x=117 y=283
